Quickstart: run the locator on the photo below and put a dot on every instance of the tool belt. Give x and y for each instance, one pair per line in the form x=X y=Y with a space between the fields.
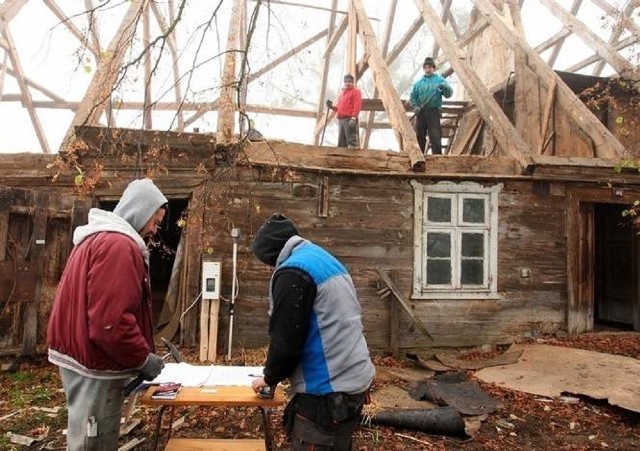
x=327 y=411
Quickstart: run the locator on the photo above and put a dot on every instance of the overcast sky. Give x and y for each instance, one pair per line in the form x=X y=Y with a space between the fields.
x=54 y=59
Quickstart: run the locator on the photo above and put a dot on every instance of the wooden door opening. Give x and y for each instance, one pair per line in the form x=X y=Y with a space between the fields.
x=162 y=253
x=615 y=283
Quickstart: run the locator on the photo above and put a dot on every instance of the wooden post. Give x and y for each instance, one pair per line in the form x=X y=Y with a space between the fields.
x=227 y=102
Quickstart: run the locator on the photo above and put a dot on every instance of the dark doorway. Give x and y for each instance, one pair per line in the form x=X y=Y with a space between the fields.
x=615 y=269
x=162 y=251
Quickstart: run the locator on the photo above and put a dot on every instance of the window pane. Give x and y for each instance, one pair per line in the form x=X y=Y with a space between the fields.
x=472 y=272
x=439 y=272
x=473 y=210
x=473 y=245
x=438 y=245
x=439 y=209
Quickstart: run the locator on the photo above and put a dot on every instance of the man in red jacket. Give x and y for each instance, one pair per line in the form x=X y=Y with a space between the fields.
x=100 y=331
x=347 y=111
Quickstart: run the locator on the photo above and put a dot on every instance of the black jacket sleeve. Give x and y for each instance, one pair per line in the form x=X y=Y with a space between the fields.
x=293 y=294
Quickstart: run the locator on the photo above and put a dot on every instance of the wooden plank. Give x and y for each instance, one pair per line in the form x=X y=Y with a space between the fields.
x=323 y=199
x=4 y=227
x=192 y=260
x=607 y=146
x=212 y=345
x=30 y=312
x=504 y=132
x=403 y=302
x=620 y=45
x=205 y=307
x=389 y=95
x=210 y=444
x=546 y=115
x=217 y=396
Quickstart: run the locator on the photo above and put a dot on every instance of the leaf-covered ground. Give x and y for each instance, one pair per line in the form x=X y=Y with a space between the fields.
x=32 y=404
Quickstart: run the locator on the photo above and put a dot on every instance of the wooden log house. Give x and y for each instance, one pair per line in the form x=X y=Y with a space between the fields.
x=516 y=232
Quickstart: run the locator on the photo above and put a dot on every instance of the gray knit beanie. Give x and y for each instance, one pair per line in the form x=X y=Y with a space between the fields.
x=139 y=201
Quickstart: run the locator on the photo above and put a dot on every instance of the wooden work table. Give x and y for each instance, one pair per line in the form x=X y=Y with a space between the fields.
x=214 y=396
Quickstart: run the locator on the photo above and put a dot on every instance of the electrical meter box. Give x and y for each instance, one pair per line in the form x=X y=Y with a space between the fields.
x=211 y=279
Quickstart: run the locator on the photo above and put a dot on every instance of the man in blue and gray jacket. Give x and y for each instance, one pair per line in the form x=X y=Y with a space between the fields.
x=316 y=338
x=426 y=100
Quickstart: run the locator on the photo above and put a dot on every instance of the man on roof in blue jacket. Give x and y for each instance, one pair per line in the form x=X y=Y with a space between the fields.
x=426 y=100
x=316 y=338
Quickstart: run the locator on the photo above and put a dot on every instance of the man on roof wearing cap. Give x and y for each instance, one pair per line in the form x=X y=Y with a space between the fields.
x=426 y=100
x=347 y=110
x=100 y=330
x=316 y=338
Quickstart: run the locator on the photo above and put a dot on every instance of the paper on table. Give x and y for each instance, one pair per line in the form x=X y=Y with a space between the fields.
x=200 y=375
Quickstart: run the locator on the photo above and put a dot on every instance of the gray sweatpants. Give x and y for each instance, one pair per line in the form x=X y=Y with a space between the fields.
x=94 y=407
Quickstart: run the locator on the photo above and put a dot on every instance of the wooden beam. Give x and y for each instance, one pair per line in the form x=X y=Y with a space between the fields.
x=405 y=305
x=27 y=100
x=227 y=103
x=10 y=9
x=173 y=49
x=286 y=55
x=102 y=84
x=352 y=42
x=620 y=45
x=504 y=132
x=321 y=118
x=69 y=25
x=546 y=116
x=625 y=22
x=93 y=24
x=606 y=145
x=146 y=41
x=623 y=67
x=575 y=7
x=391 y=99
x=444 y=15
x=385 y=49
x=52 y=95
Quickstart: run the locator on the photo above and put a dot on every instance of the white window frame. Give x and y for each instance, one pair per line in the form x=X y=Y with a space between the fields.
x=456 y=192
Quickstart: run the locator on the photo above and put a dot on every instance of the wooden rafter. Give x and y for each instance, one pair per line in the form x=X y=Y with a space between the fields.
x=69 y=25
x=391 y=99
x=604 y=50
x=10 y=9
x=575 y=7
x=625 y=22
x=332 y=40
x=227 y=103
x=620 y=45
x=444 y=16
x=94 y=30
x=173 y=49
x=27 y=100
x=504 y=132
x=385 y=49
x=146 y=41
x=606 y=145
x=98 y=94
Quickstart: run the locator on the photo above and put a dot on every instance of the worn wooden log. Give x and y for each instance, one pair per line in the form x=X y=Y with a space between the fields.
x=441 y=420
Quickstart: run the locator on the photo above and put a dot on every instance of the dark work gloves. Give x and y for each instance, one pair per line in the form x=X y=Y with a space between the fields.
x=152 y=367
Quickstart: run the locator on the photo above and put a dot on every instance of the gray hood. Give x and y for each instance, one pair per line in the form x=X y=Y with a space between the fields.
x=140 y=200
